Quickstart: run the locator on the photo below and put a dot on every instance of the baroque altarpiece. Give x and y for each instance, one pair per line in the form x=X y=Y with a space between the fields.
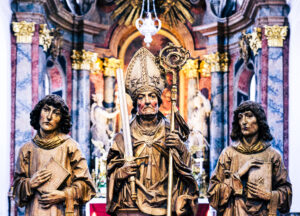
x=73 y=49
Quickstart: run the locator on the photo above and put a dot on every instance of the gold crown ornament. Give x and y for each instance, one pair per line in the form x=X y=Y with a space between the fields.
x=143 y=74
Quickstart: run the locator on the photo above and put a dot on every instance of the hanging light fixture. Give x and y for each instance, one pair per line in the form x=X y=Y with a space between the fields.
x=148 y=26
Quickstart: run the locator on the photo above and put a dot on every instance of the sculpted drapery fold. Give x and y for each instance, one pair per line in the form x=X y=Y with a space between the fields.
x=228 y=192
x=152 y=174
x=32 y=158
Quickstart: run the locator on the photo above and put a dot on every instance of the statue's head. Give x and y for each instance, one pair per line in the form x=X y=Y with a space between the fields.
x=51 y=114
x=144 y=82
x=249 y=119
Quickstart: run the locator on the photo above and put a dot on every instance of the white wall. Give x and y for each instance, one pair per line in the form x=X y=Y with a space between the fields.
x=5 y=114
x=294 y=102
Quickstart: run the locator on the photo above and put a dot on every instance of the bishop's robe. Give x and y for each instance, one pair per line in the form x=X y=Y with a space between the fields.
x=152 y=174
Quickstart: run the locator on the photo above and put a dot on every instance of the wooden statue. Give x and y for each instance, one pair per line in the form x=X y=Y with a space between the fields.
x=150 y=140
x=250 y=177
x=52 y=176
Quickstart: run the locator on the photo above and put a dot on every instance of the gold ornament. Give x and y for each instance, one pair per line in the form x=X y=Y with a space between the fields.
x=76 y=56
x=275 y=35
x=97 y=66
x=190 y=69
x=204 y=69
x=143 y=74
x=84 y=60
x=111 y=65
x=244 y=47
x=173 y=11
x=23 y=31
x=218 y=62
x=45 y=38
x=254 y=39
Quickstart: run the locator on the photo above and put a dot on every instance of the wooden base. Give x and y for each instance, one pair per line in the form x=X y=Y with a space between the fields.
x=130 y=212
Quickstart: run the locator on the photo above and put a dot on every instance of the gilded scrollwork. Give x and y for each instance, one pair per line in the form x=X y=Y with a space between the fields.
x=23 y=31
x=255 y=40
x=45 y=37
x=276 y=35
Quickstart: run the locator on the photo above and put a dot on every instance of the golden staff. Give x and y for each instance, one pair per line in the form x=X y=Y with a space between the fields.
x=171 y=59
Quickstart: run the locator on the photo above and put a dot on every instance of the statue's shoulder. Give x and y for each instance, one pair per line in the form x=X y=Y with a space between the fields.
x=27 y=146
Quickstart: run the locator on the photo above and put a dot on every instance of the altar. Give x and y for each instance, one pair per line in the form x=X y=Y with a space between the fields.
x=96 y=207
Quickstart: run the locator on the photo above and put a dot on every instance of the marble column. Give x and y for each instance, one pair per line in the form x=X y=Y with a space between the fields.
x=219 y=98
x=83 y=63
x=275 y=100
x=74 y=111
x=83 y=109
x=23 y=101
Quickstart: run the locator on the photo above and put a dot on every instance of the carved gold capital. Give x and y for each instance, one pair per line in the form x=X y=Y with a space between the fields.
x=110 y=66
x=218 y=62
x=190 y=69
x=84 y=60
x=23 y=31
x=204 y=69
x=275 y=35
x=45 y=38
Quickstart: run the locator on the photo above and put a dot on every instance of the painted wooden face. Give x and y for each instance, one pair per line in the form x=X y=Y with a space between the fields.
x=248 y=123
x=49 y=118
x=147 y=103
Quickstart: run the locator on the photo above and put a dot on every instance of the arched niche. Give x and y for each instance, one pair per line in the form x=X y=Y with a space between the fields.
x=54 y=79
x=244 y=77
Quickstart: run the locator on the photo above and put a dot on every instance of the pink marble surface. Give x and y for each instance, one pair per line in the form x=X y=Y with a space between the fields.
x=264 y=72
x=13 y=106
x=244 y=80
x=286 y=103
x=56 y=79
x=35 y=66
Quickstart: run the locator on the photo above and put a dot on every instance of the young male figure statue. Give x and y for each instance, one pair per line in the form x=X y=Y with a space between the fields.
x=250 y=177
x=51 y=119
x=151 y=137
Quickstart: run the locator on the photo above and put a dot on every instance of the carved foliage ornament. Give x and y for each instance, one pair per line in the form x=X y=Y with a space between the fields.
x=84 y=60
x=218 y=62
x=173 y=11
x=275 y=35
x=23 y=31
x=45 y=38
x=110 y=66
x=190 y=69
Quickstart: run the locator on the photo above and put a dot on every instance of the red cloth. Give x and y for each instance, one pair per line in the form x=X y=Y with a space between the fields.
x=98 y=209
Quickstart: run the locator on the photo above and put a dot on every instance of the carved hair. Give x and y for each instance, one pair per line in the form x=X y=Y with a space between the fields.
x=258 y=111
x=57 y=102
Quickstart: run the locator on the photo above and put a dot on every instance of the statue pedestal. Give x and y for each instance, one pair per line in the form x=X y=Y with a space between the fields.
x=130 y=212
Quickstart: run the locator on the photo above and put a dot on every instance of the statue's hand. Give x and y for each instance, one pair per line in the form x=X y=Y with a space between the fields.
x=51 y=197
x=39 y=178
x=256 y=191
x=128 y=169
x=251 y=163
x=173 y=140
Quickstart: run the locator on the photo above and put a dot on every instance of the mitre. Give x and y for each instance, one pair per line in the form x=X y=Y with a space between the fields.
x=143 y=74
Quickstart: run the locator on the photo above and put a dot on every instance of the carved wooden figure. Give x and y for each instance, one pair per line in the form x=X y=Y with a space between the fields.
x=151 y=143
x=250 y=177
x=52 y=176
